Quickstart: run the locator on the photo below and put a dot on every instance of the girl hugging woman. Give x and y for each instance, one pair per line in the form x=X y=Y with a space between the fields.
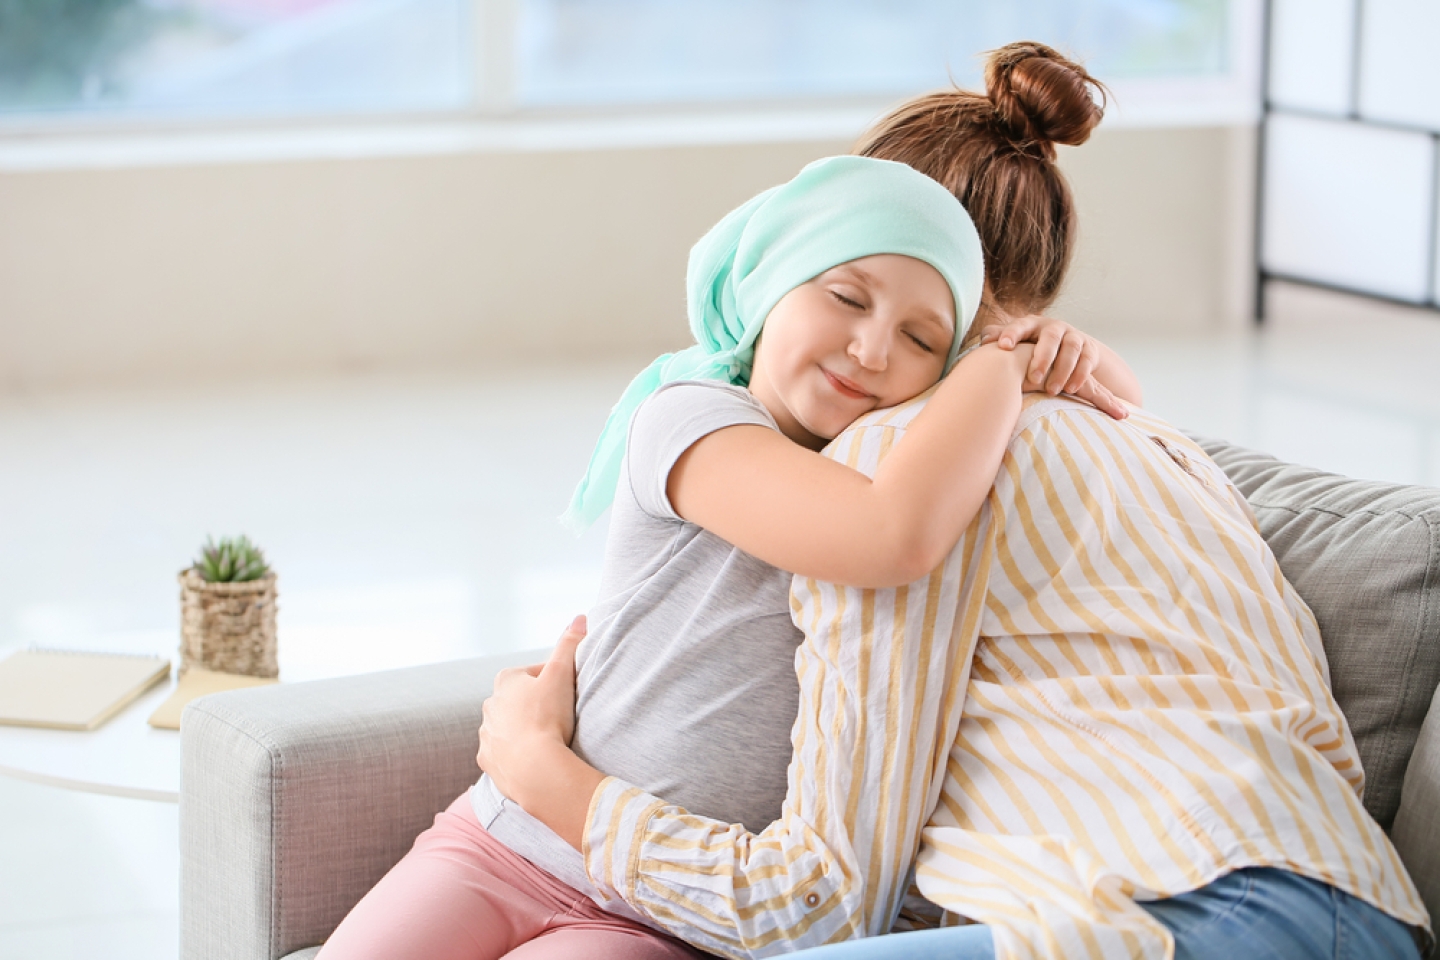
x=848 y=289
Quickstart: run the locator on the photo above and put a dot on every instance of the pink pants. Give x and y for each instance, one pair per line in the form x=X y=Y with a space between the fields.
x=460 y=894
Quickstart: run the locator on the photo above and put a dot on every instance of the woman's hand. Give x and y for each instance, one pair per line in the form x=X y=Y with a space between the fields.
x=530 y=706
x=1064 y=360
x=525 y=740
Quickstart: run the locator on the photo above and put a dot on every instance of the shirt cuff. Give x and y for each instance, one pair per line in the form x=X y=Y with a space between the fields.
x=614 y=832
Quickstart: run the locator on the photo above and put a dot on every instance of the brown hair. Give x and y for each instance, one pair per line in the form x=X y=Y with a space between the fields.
x=996 y=153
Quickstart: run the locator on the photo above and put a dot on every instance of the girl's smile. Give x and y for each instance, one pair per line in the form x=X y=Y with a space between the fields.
x=844 y=386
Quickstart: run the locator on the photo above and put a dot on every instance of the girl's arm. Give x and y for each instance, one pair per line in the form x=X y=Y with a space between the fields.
x=804 y=513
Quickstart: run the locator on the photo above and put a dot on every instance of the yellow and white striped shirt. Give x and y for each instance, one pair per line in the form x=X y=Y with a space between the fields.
x=1145 y=702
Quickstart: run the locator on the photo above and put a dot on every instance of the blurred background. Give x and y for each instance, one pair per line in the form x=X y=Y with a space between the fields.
x=361 y=279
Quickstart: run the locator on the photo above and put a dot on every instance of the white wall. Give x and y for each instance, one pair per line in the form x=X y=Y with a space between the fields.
x=224 y=270
x=1166 y=231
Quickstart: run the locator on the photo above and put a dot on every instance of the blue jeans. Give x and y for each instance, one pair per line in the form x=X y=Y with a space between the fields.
x=1258 y=914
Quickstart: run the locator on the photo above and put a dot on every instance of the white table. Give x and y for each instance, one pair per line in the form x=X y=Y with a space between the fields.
x=357 y=631
x=126 y=757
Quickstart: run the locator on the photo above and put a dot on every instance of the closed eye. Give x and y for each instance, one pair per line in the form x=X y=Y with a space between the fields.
x=846 y=300
x=921 y=343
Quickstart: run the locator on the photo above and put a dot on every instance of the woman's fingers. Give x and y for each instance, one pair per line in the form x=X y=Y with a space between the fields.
x=510 y=675
x=538 y=700
x=562 y=659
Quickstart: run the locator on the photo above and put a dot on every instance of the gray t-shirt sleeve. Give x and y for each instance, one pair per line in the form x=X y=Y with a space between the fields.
x=669 y=422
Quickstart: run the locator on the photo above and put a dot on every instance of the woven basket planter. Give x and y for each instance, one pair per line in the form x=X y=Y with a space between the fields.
x=228 y=627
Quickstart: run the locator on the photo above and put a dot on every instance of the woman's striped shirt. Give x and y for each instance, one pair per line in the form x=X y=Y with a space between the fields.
x=1107 y=692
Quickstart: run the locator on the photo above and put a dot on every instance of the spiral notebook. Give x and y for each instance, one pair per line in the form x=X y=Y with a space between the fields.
x=71 y=690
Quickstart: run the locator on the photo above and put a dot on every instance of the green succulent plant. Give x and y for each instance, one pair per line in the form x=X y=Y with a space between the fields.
x=232 y=560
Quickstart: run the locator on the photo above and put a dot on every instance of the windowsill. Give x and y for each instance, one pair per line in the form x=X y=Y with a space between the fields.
x=330 y=140
x=1134 y=105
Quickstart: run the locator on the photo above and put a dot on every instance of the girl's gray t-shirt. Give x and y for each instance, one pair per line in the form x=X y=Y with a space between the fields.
x=686 y=682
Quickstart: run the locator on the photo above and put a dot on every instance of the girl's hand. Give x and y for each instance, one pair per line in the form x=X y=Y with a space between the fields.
x=1064 y=357
x=1064 y=360
x=1096 y=394
x=530 y=714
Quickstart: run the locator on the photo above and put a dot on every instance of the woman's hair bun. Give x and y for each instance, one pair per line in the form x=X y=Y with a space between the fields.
x=1041 y=97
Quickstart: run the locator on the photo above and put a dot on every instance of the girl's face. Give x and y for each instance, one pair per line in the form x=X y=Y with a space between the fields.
x=867 y=334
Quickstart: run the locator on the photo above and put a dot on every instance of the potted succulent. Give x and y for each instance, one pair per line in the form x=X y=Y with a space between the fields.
x=227 y=610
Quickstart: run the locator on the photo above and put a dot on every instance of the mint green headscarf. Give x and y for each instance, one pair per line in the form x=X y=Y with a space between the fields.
x=835 y=210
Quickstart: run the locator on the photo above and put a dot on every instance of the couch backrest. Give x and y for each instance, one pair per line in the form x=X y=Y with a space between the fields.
x=1365 y=556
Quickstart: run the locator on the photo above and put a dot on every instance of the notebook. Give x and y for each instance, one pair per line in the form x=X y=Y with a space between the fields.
x=71 y=690
x=197 y=683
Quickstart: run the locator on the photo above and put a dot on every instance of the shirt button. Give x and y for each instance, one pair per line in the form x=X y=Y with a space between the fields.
x=812 y=899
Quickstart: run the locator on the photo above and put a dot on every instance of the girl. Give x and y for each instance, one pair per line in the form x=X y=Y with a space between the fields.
x=865 y=275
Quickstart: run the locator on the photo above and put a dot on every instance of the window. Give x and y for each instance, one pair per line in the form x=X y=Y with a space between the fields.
x=227 y=58
x=193 y=61
x=1349 y=194
x=653 y=51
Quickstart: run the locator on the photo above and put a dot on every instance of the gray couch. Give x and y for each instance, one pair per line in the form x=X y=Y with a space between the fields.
x=295 y=799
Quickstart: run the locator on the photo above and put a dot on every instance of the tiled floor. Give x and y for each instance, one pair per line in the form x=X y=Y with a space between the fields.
x=411 y=519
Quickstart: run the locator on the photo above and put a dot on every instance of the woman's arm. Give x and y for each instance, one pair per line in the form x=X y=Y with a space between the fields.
x=835 y=865
x=818 y=518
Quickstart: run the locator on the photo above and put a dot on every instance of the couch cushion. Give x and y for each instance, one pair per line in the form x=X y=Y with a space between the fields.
x=1417 y=825
x=1366 y=557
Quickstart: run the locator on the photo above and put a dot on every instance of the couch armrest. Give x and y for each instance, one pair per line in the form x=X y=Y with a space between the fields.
x=1417 y=825
x=295 y=799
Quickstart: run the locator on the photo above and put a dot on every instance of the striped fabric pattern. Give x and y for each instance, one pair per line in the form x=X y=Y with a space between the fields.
x=1145 y=708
